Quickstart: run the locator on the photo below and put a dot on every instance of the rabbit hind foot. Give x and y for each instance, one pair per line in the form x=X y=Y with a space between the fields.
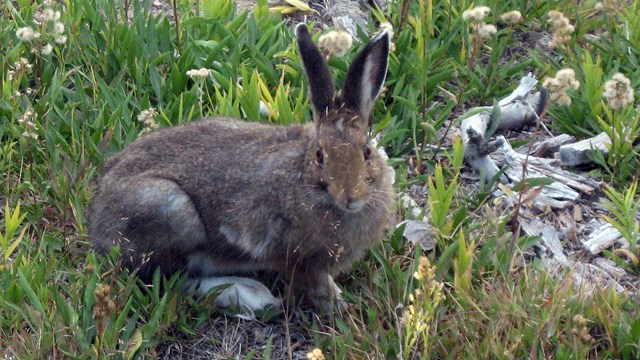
x=248 y=295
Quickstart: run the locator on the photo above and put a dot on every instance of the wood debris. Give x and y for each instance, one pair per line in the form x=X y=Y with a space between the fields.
x=578 y=153
x=565 y=214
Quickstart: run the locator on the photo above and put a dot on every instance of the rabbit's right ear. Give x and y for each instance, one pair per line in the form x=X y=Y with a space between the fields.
x=320 y=81
x=366 y=75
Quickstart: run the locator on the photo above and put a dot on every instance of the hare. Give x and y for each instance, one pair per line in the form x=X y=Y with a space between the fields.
x=220 y=197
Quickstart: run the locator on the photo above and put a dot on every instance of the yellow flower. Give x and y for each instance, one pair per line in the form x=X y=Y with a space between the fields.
x=316 y=354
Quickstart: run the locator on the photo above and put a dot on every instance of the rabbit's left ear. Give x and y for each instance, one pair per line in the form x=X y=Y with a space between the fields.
x=366 y=75
x=320 y=81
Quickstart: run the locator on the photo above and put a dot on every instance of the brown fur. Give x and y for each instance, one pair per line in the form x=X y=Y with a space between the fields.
x=233 y=196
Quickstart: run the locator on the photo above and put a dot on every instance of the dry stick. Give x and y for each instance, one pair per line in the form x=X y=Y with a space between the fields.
x=404 y=11
x=515 y=224
x=126 y=11
x=418 y=167
x=177 y=19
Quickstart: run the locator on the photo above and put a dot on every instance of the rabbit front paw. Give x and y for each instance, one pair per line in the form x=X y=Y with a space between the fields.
x=327 y=297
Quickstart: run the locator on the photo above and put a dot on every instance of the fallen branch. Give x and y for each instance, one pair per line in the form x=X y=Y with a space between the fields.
x=517 y=110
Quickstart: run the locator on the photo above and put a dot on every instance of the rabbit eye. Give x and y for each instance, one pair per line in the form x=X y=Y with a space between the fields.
x=367 y=152
x=320 y=156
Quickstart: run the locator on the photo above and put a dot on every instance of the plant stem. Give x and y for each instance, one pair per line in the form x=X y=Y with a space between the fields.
x=177 y=20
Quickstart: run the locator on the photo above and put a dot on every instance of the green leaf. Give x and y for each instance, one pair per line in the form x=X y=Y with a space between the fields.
x=530 y=183
x=28 y=289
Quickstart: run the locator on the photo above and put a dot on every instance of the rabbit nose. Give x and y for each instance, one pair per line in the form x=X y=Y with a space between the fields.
x=353 y=204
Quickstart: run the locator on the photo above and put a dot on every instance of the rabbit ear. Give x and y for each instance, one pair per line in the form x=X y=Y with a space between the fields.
x=366 y=75
x=320 y=80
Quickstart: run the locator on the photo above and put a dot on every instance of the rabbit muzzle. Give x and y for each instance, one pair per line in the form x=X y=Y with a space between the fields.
x=349 y=196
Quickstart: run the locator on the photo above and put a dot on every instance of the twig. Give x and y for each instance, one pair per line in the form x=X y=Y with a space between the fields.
x=404 y=11
x=177 y=19
x=126 y=11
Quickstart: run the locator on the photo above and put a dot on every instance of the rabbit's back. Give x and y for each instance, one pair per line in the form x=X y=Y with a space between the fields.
x=200 y=190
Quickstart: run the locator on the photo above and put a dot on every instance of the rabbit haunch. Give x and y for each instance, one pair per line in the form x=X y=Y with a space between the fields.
x=224 y=197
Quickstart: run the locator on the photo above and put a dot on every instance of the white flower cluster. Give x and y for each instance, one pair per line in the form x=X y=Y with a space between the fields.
x=618 y=91
x=565 y=80
x=475 y=16
x=147 y=118
x=49 y=30
x=512 y=17
x=199 y=74
x=335 y=43
x=30 y=128
x=21 y=66
x=562 y=28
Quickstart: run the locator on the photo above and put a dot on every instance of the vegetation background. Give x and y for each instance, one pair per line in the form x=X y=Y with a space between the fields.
x=82 y=79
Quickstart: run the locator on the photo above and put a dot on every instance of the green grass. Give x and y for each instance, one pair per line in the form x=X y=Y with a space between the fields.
x=82 y=101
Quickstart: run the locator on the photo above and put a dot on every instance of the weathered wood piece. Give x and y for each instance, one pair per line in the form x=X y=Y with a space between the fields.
x=548 y=146
x=549 y=239
x=419 y=232
x=585 y=277
x=578 y=153
x=542 y=167
x=564 y=191
x=610 y=268
x=601 y=238
x=347 y=15
x=517 y=110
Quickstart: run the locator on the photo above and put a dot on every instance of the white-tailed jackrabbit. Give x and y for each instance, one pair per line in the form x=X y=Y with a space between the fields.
x=224 y=197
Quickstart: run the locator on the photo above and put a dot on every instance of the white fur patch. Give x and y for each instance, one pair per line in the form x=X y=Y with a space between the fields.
x=340 y=124
x=367 y=97
x=248 y=294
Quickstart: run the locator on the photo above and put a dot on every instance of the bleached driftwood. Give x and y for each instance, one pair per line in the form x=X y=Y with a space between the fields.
x=551 y=145
x=550 y=239
x=584 y=276
x=347 y=15
x=602 y=238
x=566 y=188
x=610 y=267
x=578 y=153
x=542 y=167
x=517 y=110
